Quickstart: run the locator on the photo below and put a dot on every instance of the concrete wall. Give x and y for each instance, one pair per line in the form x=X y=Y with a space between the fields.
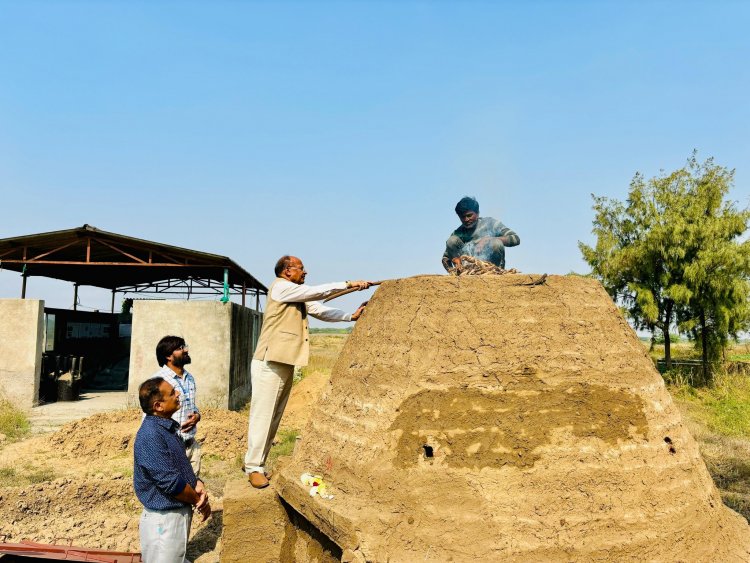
x=21 y=341
x=220 y=346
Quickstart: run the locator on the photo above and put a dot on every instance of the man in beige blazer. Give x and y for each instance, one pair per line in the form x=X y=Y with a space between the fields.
x=283 y=344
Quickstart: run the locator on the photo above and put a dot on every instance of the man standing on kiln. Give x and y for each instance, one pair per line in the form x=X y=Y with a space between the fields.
x=284 y=343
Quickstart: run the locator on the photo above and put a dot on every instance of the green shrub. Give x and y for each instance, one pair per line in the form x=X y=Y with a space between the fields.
x=673 y=338
x=723 y=405
x=285 y=446
x=13 y=421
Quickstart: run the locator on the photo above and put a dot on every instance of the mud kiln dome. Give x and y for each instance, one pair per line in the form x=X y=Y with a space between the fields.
x=479 y=419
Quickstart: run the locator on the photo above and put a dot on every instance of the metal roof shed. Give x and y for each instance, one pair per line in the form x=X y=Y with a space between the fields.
x=89 y=256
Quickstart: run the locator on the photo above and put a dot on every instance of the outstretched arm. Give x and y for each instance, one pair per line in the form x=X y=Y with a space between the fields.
x=324 y=313
x=288 y=292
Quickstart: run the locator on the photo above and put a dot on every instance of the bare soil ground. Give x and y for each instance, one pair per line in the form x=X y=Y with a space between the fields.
x=73 y=484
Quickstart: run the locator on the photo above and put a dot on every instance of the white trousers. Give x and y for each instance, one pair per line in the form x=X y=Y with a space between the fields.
x=164 y=534
x=272 y=383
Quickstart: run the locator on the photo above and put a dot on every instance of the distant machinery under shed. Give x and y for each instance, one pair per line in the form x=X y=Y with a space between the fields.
x=112 y=351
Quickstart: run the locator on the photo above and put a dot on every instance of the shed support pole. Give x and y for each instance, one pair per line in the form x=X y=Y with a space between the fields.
x=23 y=286
x=75 y=297
x=113 y=300
x=257 y=300
x=244 y=289
x=225 y=297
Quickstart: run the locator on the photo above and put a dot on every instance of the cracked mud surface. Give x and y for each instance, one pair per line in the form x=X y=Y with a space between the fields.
x=480 y=370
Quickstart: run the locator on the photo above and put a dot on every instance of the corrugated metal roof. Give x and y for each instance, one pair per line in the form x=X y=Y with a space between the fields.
x=90 y=256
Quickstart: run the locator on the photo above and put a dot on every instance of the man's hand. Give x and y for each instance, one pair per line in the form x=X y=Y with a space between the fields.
x=359 y=284
x=457 y=263
x=190 y=423
x=205 y=511
x=200 y=489
x=358 y=313
x=202 y=505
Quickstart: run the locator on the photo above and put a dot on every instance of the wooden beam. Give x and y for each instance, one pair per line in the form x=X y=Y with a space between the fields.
x=11 y=251
x=169 y=258
x=52 y=251
x=113 y=247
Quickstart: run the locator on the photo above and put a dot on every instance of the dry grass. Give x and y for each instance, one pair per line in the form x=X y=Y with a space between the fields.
x=718 y=415
x=25 y=475
x=727 y=459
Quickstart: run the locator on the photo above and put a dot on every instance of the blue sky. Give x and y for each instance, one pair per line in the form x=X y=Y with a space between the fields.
x=345 y=132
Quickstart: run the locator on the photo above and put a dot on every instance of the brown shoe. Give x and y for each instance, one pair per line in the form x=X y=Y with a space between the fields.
x=257 y=480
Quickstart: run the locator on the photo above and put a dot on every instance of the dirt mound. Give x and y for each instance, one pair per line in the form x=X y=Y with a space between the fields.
x=223 y=434
x=98 y=513
x=304 y=394
x=103 y=434
x=478 y=418
x=93 y=503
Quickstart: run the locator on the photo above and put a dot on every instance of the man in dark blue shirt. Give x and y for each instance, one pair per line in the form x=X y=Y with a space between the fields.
x=163 y=479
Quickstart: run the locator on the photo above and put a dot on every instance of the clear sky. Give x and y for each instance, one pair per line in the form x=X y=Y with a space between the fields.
x=345 y=132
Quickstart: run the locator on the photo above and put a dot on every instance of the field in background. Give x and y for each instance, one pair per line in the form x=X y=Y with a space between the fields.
x=324 y=350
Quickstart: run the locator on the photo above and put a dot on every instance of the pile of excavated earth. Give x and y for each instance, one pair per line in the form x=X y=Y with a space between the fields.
x=489 y=418
x=85 y=494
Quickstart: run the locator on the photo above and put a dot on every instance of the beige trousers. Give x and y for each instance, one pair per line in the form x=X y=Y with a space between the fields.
x=271 y=385
x=193 y=453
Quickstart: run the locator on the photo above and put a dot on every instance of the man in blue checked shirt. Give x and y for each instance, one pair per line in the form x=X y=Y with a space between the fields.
x=172 y=354
x=163 y=479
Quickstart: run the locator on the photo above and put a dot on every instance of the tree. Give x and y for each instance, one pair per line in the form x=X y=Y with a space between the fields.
x=717 y=274
x=671 y=254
